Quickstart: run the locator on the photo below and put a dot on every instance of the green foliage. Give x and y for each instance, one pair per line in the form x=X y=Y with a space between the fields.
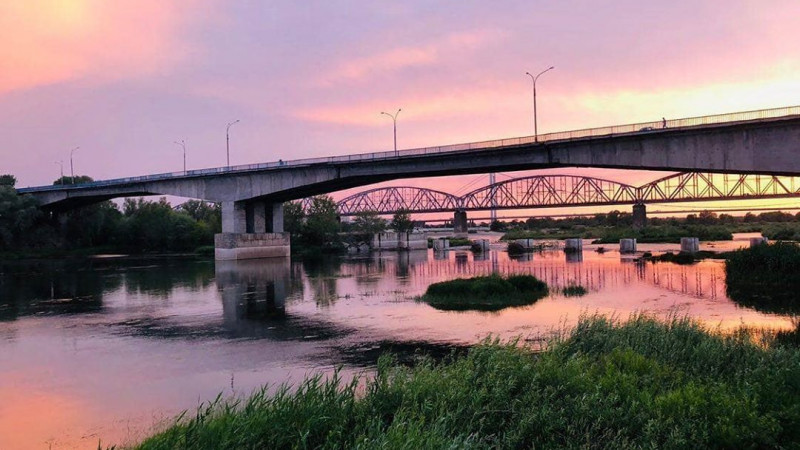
x=490 y=293
x=459 y=242
x=8 y=180
x=765 y=277
x=369 y=223
x=209 y=214
x=643 y=384
x=401 y=222
x=78 y=179
x=18 y=214
x=293 y=218
x=782 y=232
x=574 y=290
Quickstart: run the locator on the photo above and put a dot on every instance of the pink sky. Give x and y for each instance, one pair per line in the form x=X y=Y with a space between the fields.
x=125 y=79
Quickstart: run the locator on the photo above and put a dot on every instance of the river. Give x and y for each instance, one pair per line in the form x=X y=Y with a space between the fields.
x=111 y=348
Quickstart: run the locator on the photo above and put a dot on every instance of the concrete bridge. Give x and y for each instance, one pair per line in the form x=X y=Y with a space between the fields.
x=765 y=141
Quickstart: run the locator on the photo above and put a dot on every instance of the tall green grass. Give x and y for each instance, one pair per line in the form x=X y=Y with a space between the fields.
x=644 y=384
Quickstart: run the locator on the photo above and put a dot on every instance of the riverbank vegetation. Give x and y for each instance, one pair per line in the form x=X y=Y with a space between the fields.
x=139 y=226
x=604 y=385
x=488 y=293
x=765 y=277
x=610 y=227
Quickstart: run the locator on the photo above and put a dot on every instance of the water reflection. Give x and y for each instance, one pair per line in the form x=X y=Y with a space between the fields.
x=178 y=329
x=253 y=289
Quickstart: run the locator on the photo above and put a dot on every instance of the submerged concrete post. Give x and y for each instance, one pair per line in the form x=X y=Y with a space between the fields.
x=690 y=245
x=627 y=245
x=639 y=215
x=460 y=222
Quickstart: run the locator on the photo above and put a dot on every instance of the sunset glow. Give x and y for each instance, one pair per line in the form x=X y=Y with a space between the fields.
x=125 y=79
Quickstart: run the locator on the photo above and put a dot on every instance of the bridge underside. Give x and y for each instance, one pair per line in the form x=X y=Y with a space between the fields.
x=765 y=146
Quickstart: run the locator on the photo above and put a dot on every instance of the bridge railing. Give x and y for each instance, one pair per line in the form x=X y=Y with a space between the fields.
x=654 y=126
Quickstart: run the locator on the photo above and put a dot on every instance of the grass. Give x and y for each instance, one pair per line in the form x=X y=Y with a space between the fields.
x=490 y=293
x=643 y=384
x=574 y=290
x=459 y=242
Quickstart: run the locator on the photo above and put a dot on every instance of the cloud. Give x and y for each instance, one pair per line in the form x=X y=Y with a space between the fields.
x=398 y=58
x=49 y=41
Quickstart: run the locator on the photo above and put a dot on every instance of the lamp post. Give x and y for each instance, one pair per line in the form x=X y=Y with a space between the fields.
x=228 y=140
x=394 y=122
x=182 y=143
x=534 y=78
x=71 y=167
x=60 y=163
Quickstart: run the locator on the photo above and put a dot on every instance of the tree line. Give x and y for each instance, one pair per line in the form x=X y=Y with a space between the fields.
x=137 y=226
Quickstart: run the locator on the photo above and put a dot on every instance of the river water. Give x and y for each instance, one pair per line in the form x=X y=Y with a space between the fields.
x=111 y=348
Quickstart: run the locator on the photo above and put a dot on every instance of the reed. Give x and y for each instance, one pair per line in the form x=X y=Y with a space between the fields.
x=605 y=384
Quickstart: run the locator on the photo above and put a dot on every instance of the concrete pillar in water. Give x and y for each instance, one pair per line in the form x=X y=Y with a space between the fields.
x=573 y=245
x=244 y=236
x=690 y=245
x=756 y=241
x=441 y=244
x=482 y=245
x=627 y=245
x=639 y=216
x=460 y=222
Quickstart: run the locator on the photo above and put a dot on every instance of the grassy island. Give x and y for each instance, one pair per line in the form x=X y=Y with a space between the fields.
x=643 y=384
x=491 y=293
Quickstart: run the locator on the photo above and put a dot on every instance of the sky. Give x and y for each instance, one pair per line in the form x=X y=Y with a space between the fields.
x=123 y=80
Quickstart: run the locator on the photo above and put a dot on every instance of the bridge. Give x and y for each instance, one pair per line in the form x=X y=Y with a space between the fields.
x=764 y=141
x=555 y=191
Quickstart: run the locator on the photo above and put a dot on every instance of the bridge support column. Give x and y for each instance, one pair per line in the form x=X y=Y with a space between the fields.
x=274 y=220
x=244 y=232
x=639 y=216
x=460 y=223
x=234 y=217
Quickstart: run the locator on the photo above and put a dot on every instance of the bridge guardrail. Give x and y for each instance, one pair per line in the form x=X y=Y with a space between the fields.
x=548 y=137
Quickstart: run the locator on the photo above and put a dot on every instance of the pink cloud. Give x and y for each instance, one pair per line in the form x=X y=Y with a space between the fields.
x=51 y=41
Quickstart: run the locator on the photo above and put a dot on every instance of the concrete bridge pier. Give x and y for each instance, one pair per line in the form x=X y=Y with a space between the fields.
x=639 y=215
x=460 y=223
x=251 y=229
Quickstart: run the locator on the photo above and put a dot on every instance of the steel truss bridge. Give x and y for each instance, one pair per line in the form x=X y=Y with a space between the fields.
x=552 y=191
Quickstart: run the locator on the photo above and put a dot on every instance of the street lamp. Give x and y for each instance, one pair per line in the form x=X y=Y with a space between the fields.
x=534 y=78
x=228 y=140
x=182 y=143
x=71 y=167
x=394 y=121
x=61 y=163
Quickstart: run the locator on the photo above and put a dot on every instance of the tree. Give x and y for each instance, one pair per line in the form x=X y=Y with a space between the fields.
x=8 y=180
x=322 y=223
x=18 y=214
x=367 y=224
x=76 y=180
x=401 y=222
x=293 y=218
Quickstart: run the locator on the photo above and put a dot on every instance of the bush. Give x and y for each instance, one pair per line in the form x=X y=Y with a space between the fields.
x=765 y=277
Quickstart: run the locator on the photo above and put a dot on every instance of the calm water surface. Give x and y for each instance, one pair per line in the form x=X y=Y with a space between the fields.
x=110 y=348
